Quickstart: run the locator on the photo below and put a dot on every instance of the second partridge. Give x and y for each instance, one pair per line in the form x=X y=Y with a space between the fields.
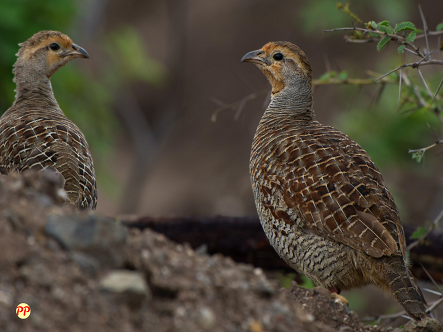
x=321 y=200
x=34 y=132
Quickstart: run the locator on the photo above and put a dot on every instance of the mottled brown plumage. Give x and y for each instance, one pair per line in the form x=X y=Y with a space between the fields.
x=321 y=200
x=34 y=132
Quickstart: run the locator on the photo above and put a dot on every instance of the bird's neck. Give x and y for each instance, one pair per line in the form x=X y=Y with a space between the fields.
x=33 y=87
x=294 y=101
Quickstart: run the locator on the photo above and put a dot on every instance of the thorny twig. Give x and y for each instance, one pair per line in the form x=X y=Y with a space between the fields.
x=402 y=39
x=351 y=81
x=382 y=33
x=375 y=39
x=434 y=305
x=439 y=292
x=425 y=27
x=399 y=87
x=415 y=91
x=413 y=65
x=433 y=226
x=438 y=89
x=425 y=57
x=402 y=314
x=238 y=105
x=420 y=153
x=433 y=281
x=391 y=317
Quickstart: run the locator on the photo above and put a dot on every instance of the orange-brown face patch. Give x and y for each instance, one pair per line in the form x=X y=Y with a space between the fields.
x=54 y=60
x=277 y=85
x=291 y=51
x=63 y=40
x=294 y=62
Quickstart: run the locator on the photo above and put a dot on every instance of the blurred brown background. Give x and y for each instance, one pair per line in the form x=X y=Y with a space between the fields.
x=169 y=157
x=158 y=70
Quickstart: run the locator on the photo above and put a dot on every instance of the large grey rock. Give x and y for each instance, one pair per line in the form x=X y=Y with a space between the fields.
x=101 y=238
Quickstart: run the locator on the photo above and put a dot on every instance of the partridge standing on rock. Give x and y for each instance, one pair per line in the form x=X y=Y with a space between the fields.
x=321 y=200
x=34 y=132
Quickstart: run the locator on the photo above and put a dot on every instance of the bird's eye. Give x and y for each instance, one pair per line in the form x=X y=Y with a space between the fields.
x=278 y=56
x=54 y=46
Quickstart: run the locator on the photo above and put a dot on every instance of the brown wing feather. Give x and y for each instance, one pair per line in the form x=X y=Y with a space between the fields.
x=331 y=184
x=41 y=139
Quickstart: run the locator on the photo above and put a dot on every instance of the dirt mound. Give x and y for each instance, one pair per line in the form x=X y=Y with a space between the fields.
x=84 y=272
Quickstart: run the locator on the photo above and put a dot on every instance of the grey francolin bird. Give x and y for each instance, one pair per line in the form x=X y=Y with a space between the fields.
x=321 y=200
x=34 y=132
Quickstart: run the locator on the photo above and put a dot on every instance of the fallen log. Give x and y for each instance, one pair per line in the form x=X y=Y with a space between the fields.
x=243 y=239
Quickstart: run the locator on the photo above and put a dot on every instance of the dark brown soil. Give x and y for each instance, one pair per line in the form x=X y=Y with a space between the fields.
x=84 y=272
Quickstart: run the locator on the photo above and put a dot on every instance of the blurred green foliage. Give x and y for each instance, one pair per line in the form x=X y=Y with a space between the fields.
x=129 y=61
x=86 y=98
x=19 y=20
x=307 y=283
x=419 y=232
x=126 y=62
x=357 y=301
x=395 y=10
x=286 y=279
x=397 y=127
x=395 y=132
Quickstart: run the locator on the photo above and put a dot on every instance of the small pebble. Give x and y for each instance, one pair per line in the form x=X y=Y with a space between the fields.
x=5 y=299
x=206 y=318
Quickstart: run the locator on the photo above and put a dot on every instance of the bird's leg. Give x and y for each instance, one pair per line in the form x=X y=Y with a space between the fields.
x=334 y=289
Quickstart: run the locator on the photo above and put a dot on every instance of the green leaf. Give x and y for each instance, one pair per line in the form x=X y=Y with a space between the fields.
x=401 y=48
x=405 y=26
x=419 y=232
x=343 y=75
x=439 y=27
x=324 y=77
x=386 y=29
x=383 y=42
x=371 y=25
x=418 y=156
x=411 y=37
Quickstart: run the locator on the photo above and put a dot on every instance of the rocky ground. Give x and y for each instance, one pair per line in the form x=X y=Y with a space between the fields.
x=84 y=272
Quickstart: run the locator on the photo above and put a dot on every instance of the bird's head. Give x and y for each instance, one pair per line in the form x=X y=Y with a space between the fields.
x=283 y=63
x=47 y=51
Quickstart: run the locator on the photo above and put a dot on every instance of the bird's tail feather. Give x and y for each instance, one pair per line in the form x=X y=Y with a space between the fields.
x=404 y=288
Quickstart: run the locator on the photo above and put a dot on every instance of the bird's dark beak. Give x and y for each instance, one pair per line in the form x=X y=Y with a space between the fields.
x=78 y=52
x=253 y=57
